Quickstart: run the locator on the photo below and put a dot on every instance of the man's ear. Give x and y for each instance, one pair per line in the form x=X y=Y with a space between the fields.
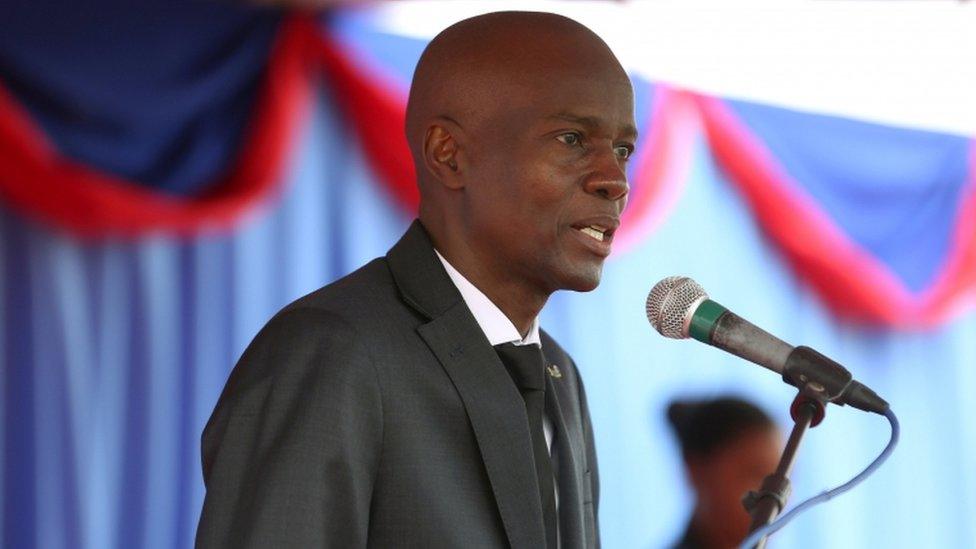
x=442 y=153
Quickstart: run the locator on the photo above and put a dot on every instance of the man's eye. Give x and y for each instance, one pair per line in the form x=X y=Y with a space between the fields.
x=623 y=151
x=571 y=138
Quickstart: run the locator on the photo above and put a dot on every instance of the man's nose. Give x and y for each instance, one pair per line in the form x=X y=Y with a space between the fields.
x=609 y=177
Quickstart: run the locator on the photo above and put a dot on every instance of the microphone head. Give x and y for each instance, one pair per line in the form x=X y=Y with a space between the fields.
x=671 y=304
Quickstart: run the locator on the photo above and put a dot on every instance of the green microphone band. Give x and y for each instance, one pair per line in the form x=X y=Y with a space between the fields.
x=703 y=320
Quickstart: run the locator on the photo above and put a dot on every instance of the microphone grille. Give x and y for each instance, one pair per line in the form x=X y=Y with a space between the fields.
x=670 y=302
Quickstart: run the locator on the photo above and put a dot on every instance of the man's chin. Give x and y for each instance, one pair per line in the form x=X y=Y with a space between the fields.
x=584 y=281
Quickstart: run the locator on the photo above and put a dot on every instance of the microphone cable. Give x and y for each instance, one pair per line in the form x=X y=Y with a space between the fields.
x=777 y=524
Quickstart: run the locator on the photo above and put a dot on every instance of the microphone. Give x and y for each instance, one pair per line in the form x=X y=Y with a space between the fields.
x=678 y=308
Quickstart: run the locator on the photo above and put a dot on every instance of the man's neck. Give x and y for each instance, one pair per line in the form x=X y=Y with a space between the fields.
x=520 y=304
x=513 y=295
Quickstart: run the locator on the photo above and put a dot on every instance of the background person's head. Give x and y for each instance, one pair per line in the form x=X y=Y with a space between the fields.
x=728 y=445
x=520 y=125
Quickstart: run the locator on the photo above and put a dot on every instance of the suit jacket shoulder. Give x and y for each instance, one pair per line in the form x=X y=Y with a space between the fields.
x=374 y=412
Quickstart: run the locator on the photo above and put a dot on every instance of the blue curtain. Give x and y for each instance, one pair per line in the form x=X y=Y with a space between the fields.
x=114 y=353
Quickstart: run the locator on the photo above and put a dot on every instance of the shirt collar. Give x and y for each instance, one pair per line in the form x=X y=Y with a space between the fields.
x=493 y=322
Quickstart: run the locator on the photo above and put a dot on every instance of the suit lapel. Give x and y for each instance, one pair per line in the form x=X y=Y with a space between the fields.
x=497 y=414
x=494 y=406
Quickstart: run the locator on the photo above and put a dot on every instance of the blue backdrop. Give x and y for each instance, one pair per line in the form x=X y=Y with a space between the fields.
x=114 y=354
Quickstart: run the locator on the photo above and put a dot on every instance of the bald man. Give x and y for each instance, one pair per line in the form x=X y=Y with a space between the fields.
x=386 y=409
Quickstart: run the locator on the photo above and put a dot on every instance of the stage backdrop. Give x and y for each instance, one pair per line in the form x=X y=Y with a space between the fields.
x=172 y=174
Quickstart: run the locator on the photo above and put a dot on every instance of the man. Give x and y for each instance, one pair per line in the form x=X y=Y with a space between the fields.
x=375 y=411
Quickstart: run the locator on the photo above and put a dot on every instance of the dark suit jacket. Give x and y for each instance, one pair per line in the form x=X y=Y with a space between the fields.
x=374 y=412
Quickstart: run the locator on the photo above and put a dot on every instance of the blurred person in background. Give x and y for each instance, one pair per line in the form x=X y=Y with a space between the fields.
x=728 y=446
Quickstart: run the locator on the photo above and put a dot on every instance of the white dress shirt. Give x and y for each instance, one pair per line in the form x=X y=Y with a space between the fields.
x=493 y=322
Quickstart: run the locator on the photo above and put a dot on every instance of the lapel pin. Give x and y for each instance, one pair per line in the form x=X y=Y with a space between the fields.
x=554 y=371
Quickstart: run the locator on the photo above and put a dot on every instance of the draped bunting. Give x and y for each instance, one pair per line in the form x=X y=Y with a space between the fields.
x=64 y=192
x=854 y=280
x=99 y=203
x=157 y=92
x=928 y=280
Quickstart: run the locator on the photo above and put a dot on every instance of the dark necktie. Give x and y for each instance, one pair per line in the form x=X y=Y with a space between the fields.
x=527 y=366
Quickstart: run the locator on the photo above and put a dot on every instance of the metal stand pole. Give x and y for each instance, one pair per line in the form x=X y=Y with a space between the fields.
x=764 y=505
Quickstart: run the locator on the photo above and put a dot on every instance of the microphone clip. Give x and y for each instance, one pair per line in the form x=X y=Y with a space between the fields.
x=808 y=370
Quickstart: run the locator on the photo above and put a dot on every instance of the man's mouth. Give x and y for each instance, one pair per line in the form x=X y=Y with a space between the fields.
x=596 y=232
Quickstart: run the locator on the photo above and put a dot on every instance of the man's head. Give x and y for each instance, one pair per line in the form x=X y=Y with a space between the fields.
x=520 y=125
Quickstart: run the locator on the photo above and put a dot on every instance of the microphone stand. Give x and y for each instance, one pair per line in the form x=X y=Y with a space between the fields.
x=808 y=410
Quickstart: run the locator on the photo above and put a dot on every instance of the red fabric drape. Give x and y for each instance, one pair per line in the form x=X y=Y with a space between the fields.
x=376 y=111
x=42 y=183
x=850 y=280
x=39 y=181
